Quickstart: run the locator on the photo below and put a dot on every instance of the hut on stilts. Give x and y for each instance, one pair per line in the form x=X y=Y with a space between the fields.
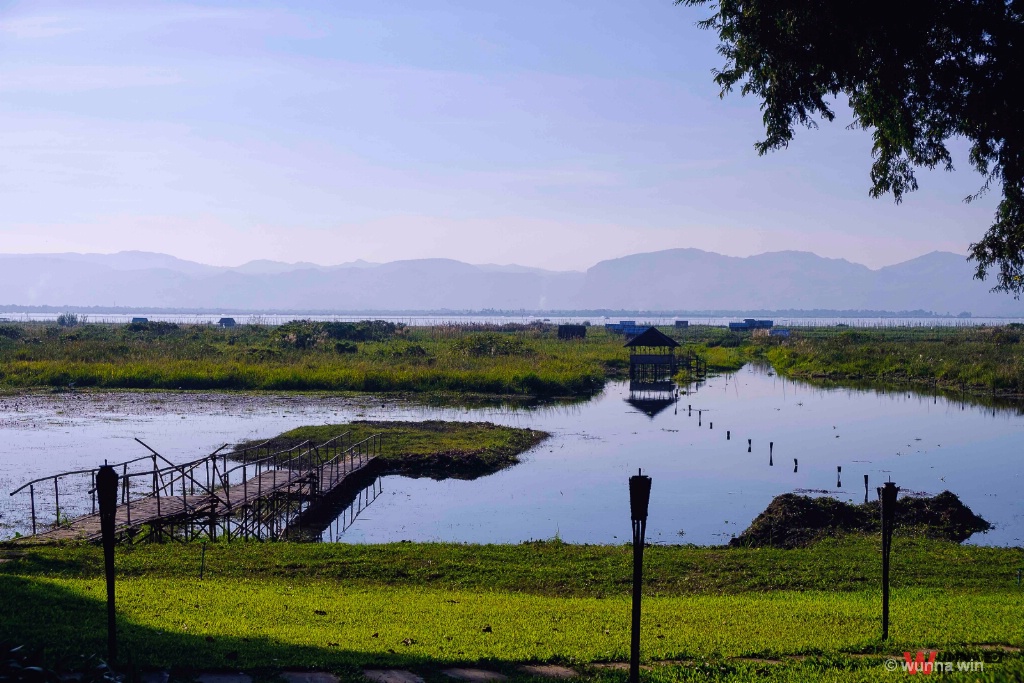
x=652 y=365
x=652 y=357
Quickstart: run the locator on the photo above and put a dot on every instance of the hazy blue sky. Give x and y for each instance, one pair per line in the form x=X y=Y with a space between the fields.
x=552 y=133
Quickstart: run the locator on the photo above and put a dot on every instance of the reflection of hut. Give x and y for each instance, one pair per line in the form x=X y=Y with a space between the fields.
x=651 y=402
x=652 y=357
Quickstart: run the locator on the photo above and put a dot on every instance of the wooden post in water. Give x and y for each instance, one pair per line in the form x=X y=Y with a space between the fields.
x=106 y=485
x=32 y=498
x=887 y=496
x=639 y=498
x=727 y=435
x=749 y=444
x=865 y=489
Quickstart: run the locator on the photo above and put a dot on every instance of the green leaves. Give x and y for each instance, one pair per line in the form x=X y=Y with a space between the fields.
x=915 y=75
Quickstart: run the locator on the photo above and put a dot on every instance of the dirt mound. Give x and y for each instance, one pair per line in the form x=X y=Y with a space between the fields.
x=793 y=521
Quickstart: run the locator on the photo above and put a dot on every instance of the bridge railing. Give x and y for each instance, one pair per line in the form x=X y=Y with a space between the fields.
x=39 y=490
x=333 y=469
x=209 y=476
x=294 y=458
x=203 y=476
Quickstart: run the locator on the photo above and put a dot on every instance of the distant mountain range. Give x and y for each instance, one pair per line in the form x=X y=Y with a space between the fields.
x=671 y=280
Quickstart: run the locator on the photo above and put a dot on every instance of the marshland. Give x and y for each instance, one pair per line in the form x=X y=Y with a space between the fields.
x=507 y=547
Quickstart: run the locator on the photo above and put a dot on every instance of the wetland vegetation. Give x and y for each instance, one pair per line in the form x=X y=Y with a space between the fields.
x=373 y=356
x=441 y=449
x=510 y=360
x=969 y=360
x=808 y=612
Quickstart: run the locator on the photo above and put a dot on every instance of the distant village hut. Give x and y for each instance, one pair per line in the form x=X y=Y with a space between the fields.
x=572 y=331
x=751 y=324
x=226 y=322
x=652 y=357
x=140 y=320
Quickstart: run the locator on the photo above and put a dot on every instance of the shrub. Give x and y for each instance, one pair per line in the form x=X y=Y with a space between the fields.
x=492 y=344
x=156 y=327
x=10 y=332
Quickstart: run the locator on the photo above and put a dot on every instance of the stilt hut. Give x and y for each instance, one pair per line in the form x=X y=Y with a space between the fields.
x=652 y=357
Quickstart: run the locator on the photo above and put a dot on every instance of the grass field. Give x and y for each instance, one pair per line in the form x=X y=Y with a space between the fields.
x=265 y=607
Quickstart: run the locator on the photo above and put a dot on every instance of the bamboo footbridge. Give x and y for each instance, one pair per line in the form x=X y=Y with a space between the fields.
x=251 y=493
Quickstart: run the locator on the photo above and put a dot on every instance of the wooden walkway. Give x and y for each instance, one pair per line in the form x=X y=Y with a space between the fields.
x=258 y=497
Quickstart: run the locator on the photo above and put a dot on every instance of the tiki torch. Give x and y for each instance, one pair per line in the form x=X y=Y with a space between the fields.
x=639 y=497
x=887 y=495
x=106 y=493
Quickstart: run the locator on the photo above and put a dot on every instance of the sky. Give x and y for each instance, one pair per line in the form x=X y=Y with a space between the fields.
x=547 y=134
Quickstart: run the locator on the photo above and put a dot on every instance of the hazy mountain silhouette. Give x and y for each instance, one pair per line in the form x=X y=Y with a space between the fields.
x=671 y=280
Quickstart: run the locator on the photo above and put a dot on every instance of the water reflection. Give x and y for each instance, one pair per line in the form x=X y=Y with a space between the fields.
x=344 y=521
x=573 y=484
x=651 y=398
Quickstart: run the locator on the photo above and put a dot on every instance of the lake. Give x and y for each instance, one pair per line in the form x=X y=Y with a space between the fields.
x=706 y=488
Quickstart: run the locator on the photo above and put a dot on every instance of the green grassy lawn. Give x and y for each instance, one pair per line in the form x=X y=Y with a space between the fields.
x=425 y=606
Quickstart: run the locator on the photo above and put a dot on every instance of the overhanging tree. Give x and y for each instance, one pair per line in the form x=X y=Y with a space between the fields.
x=916 y=73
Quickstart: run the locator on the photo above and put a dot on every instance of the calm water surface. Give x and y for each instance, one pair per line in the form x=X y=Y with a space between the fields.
x=706 y=488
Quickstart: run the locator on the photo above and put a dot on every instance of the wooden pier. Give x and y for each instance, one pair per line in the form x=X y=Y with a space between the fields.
x=254 y=494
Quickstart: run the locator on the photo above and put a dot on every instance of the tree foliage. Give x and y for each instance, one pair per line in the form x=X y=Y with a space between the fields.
x=916 y=74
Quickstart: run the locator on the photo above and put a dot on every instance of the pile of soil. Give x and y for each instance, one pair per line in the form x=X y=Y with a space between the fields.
x=794 y=521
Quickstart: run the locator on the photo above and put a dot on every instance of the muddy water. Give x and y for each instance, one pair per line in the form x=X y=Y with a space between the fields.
x=706 y=487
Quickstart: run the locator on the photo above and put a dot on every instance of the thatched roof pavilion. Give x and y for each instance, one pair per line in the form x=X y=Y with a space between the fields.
x=652 y=356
